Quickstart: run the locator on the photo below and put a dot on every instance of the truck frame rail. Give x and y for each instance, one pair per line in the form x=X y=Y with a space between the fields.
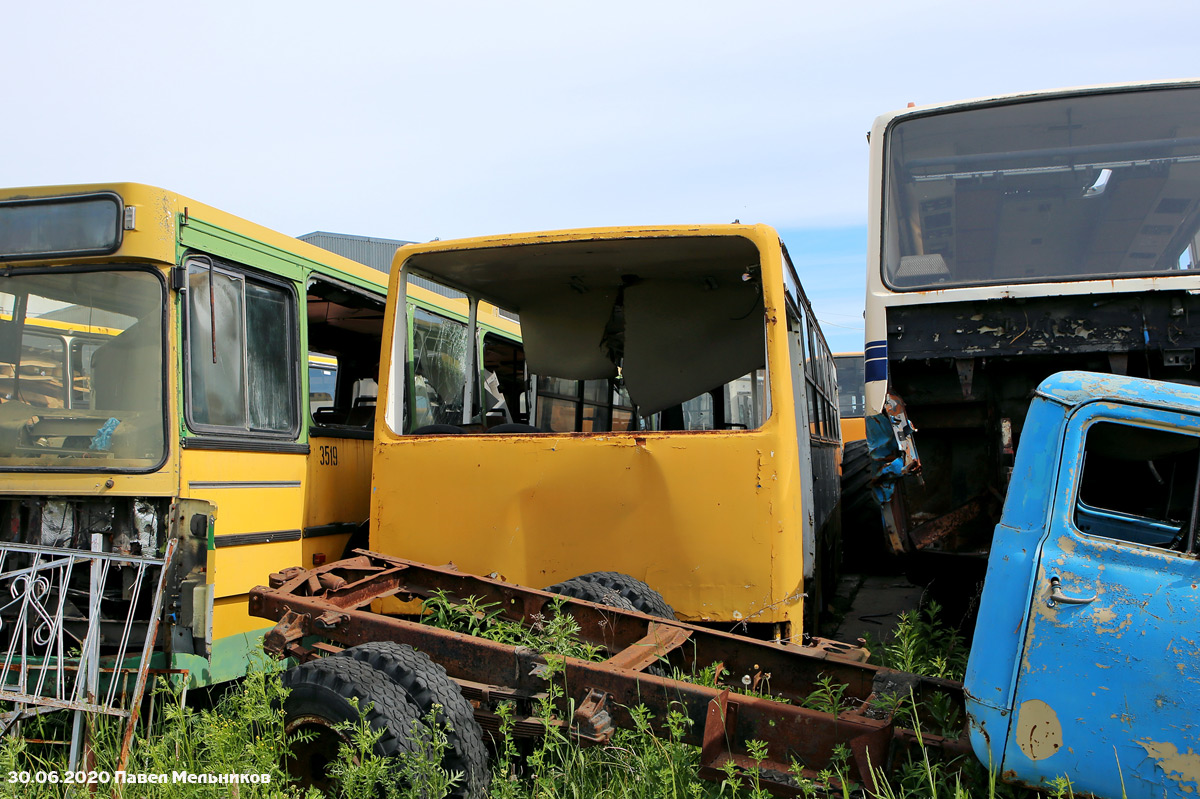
x=332 y=604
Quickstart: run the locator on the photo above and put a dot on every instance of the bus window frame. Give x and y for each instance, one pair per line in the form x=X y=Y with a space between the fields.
x=469 y=363
x=817 y=369
x=227 y=433
x=317 y=428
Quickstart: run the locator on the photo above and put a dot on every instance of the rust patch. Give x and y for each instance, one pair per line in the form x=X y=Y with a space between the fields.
x=1039 y=732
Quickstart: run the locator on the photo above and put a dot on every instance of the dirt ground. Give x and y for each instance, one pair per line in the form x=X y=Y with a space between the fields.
x=869 y=603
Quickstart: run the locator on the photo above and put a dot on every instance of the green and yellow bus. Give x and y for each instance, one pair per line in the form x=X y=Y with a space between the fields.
x=169 y=371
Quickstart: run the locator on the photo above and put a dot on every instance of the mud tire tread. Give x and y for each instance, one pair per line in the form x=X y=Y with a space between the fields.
x=425 y=682
x=578 y=588
x=643 y=598
x=324 y=683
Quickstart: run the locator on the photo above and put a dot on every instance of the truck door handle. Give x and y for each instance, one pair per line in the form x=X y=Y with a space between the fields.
x=1059 y=598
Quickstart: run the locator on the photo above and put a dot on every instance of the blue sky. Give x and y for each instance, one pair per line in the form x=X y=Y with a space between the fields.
x=414 y=120
x=832 y=266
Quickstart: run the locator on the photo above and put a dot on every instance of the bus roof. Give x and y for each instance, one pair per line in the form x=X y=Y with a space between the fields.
x=158 y=206
x=883 y=120
x=507 y=275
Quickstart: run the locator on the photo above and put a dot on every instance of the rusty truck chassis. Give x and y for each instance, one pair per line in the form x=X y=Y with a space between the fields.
x=321 y=611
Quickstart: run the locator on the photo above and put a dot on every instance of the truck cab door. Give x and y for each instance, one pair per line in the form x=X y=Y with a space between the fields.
x=1110 y=670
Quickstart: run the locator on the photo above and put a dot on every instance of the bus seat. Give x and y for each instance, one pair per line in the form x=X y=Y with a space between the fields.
x=329 y=415
x=126 y=370
x=361 y=416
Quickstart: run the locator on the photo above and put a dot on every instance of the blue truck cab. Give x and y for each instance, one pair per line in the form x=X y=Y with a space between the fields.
x=1086 y=657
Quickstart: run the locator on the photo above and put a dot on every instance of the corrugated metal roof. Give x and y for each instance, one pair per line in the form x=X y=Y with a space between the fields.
x=375 y=253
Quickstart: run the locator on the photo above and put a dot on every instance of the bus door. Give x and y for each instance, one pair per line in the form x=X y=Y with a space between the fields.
x=345 y=326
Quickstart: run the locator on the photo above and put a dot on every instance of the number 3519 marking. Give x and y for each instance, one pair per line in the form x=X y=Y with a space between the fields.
x=328 y=455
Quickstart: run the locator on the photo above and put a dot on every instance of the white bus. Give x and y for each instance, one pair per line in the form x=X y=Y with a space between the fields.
x=1014 y=237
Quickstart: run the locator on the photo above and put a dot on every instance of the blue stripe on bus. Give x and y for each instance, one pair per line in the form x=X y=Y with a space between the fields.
x=875 y=369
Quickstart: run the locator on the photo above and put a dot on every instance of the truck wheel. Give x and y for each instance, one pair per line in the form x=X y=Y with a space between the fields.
x=578 y=588
x=319 y=701
x=601 y=594
x=643 y=598
x=425 y=684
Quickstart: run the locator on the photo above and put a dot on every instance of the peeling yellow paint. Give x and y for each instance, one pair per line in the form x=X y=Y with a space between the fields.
x=1175 y=765
x=1039 y=733
x=1117 y=631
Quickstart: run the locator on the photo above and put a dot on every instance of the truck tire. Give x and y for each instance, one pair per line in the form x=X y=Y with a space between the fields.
x=319 y=700
x=601 y=594
x=426 y=683
x=643 y=598
x=578 y=588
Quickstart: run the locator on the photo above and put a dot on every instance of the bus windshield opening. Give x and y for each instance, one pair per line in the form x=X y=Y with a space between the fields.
x=81 y=368
x=1063 y=189
x=621 y=335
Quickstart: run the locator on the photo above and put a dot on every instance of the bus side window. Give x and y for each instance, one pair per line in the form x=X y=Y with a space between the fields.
x=241 y=373
x=345 y=326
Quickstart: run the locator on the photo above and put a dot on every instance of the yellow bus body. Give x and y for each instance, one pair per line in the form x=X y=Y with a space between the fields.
x=713 y=520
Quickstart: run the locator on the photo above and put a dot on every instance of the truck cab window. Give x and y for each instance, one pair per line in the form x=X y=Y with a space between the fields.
x=1138 y=484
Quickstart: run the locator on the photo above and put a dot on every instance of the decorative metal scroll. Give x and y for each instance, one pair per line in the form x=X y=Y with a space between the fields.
x=53 y=654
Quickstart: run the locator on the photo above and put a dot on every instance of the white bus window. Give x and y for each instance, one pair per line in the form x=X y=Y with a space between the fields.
x=1064 y=188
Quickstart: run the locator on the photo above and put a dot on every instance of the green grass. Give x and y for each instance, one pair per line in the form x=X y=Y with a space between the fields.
x=243 y=733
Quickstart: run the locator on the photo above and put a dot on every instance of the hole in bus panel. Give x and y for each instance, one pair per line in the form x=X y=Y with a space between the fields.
x=1137 y=484
x=345 y=328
